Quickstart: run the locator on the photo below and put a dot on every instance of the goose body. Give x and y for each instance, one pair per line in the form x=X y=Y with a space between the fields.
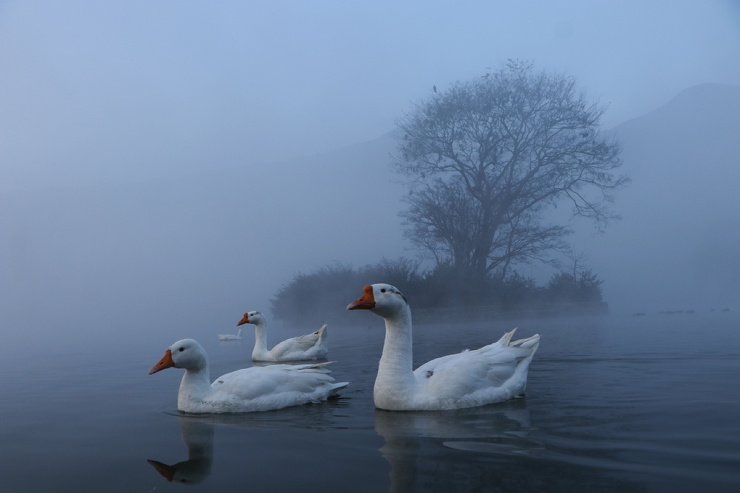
x=493 y=373
x=231 y=337
x=311 y=346
x=247 y=390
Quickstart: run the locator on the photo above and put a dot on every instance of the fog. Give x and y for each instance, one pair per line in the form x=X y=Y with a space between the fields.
x=166 y=166
x=676 y=246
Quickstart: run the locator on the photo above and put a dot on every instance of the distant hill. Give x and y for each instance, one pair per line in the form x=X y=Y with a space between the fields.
x=678 y=244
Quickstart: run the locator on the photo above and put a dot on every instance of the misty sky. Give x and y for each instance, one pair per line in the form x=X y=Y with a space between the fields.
x=104 y=91
x=134 y=135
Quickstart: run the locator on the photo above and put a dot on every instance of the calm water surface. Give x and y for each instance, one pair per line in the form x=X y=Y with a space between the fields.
x=613 y=404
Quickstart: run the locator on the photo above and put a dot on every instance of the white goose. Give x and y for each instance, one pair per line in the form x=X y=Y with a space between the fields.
x=493 y=373
x=312 y=346
x=250 y=389
x=231 y=337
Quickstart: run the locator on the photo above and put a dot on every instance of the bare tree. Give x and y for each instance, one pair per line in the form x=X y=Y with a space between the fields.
x=490 y=156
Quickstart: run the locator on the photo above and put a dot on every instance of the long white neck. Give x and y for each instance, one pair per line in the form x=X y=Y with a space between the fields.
x=260 y=339
x=395 y=380
x=194 y=387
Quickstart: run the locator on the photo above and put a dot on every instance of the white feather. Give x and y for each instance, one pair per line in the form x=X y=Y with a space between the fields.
x=247 y=390
x=311 y=346
x=493 y=373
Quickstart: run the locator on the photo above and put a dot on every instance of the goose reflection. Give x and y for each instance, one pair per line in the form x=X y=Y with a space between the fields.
x=198 y=437
x=198 y=434
x=423 y=445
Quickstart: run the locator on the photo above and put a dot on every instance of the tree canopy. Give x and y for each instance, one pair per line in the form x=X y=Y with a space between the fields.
x=489 y=156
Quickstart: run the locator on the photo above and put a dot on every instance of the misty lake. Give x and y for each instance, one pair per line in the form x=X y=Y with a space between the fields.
x=614 y=403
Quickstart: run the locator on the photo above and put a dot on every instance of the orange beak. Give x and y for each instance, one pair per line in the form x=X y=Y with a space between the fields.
x=364 y=302
x=244 y=320
x=165 y=362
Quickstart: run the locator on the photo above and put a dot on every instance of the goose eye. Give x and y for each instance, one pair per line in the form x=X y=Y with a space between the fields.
x=181 y=349
x=382 y=290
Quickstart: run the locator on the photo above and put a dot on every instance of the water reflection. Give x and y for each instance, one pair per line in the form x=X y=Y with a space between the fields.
x=197 y=434
x=423 y=447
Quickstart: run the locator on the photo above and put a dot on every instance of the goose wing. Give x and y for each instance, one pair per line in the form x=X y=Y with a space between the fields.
x=488 y=368
x=297 y=347
x=274 y=382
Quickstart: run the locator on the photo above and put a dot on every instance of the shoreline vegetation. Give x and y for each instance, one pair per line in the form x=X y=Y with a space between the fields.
x=442 y=293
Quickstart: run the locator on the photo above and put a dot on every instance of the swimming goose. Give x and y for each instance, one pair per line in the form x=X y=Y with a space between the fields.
x=250 y=389
x=231 y=337
x=493 y=373
x=309 y=347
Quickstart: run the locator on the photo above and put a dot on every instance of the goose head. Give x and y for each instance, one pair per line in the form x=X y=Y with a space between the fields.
x=186 y=354
x=382 y=299
x=253 y=317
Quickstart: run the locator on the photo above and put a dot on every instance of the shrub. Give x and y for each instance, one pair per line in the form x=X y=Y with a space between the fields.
x=322 y=296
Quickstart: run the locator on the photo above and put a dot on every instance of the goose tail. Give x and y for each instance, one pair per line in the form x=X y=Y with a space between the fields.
x=529 y=343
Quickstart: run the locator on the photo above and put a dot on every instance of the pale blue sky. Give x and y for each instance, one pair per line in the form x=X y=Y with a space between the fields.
x=93 y=90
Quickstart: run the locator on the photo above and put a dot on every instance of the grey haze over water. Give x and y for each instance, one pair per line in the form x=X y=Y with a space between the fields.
x=175 y=164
